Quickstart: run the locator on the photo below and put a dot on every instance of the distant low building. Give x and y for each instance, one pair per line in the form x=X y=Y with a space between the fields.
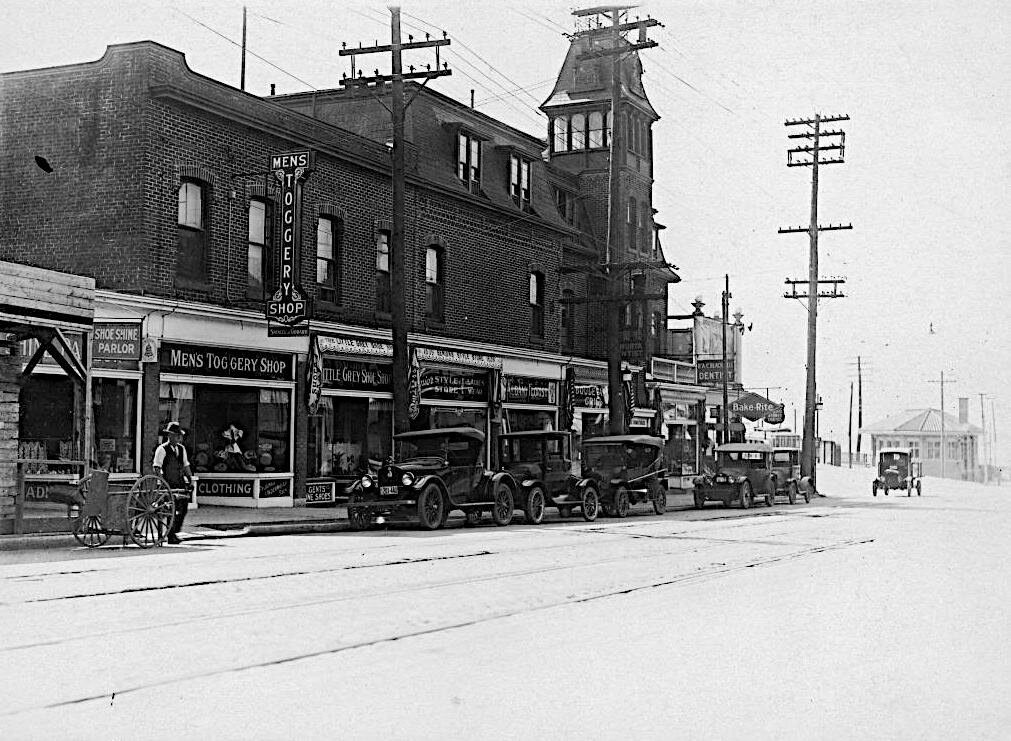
x=920 y=430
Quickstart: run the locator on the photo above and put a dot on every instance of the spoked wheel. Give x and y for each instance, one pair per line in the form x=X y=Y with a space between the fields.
x=431 y=507
x=621 y=502
x=591 y=504
x=150 y=508
x=502 y=511
x=745 y=495
x=534 y=510
x=88 y=531
x=792 y=491
x=359 y=518
x=659 y=499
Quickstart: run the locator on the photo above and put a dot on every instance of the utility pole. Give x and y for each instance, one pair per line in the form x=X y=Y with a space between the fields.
x=724 y=412
x=398 y=312
x=618 y=49
x=242 y=73
x=944 y=453
x=811 y=156
x=860 y=403
x=849 y=435
x=982 y=419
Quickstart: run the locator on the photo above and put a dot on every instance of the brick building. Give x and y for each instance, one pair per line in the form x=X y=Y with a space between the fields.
x=157 y=186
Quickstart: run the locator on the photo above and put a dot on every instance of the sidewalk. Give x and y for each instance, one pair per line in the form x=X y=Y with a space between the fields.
x=208 y=522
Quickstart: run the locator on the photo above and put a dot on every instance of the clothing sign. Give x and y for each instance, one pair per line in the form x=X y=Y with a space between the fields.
x=224 y=488
x=289 y=305
x=524 y=390
x=454 y=385
x=357 y=376
x=199 y=360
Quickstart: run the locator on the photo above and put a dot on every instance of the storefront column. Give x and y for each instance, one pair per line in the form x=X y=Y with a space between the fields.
x=300 y=457
x=150 y=427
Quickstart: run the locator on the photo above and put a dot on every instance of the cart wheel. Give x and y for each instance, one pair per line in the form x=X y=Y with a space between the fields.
x=150 y=508
x=359 y=518
x=431 y=507
x=88 y=531
x=590 y=505
x=502 y=510
x=745 y=495
x=621 y=502
x=472 y=517
x=792 y=491
x=659 y=499
x=534 y=510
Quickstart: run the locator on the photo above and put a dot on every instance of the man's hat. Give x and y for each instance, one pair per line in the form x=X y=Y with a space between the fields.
x=173 y=427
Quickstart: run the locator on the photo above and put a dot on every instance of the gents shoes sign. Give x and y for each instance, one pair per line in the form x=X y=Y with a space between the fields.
x=289 y=306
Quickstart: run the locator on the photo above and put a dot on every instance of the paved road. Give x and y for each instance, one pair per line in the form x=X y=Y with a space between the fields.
x=850 y=617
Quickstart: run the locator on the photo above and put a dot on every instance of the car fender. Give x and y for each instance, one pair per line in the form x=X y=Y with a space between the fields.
x=504 y=476
x=583 y=483
x=805 y=483
x=423 y=481
x=529 y=483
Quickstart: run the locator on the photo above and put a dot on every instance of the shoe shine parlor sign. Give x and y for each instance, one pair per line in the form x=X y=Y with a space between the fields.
x=288 y=308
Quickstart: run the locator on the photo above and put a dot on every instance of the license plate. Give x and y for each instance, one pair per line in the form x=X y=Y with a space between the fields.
x=721 y=479
x=387 y=491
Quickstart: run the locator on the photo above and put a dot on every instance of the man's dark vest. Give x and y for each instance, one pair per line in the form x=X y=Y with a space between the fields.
x=172 y=466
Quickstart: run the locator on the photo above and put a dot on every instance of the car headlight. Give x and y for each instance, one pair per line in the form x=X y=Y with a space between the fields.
x=367 y=482
x=407 y=478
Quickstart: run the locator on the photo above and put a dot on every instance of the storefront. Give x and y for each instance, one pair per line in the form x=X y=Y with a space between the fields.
x=683 y=427
x=350 y=424
x=237 y=408
x=529 y=403
x=455 y=389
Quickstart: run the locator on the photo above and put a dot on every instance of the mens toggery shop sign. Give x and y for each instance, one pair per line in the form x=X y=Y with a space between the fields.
x=198 y=360
x=288 y=308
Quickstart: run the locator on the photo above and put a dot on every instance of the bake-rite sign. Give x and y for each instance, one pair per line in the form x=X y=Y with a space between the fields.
x=289 y=305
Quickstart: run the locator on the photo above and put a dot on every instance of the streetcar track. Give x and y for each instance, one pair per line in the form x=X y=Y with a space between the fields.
x=696 y=576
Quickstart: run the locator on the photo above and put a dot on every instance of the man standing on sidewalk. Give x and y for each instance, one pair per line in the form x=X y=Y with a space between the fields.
x=173 y=465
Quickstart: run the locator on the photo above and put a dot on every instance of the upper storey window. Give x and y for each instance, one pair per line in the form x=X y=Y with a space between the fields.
x=577 y=131
x=468 y=161
x=191 y=259
x=519 y=181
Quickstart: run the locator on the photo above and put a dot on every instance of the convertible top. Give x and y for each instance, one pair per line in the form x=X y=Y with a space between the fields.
x=442 y=432
x=535 y=433
x=639 y=439
x=744 y=447
x=907 y=451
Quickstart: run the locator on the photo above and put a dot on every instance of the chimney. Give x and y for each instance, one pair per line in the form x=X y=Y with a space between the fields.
x=963 y=409
x=271 y=88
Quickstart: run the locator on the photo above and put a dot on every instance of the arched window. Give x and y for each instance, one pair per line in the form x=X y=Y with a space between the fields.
x=596 y=130
x=578 y=127
x=561 y=138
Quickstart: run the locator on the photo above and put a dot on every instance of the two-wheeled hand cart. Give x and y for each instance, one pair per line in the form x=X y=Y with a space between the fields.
x=140 y=510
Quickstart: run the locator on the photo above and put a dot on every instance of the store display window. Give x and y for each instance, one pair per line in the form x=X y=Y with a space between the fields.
x=114 y=401
x=523 y=420
x=435 y=417
x=230 y=429
x=349 y=436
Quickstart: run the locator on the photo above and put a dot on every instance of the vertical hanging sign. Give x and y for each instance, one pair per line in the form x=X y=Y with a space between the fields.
x=288 y=308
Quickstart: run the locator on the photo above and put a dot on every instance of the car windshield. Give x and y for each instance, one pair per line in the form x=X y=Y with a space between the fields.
x=741 y=460
x=608 y=457
x=457 y=451
x=781 y=457
x=894 y=460
x=521 y=450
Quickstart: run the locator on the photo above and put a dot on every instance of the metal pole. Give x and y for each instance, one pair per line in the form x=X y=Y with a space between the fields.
x=849 y=436
x=242 y=74
x=401 y=420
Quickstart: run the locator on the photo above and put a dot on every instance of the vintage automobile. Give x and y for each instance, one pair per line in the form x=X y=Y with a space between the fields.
x=786 y=469
x=540 y=463
x=431 y=473
x=625 y=470
x=742 y=469
x=897 y=469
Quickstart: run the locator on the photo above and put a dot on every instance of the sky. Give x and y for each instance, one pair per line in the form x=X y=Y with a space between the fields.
x=924 y=184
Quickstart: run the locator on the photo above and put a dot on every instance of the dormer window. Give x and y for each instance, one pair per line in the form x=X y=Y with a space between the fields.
x=519 y=181
x=468 y=161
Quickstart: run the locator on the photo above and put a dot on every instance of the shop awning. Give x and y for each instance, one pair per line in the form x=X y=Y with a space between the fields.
x=54 y=342
x=670 y=396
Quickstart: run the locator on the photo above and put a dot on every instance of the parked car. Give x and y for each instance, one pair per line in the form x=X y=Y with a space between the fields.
x=897 y=469
x=540 y=463
x=742 y=469
x=786 y=469
x=431 y=473
x=625 y=470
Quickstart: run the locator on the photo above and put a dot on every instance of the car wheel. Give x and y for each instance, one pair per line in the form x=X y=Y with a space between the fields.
x=590 y=505
x=700 y=500
x=359 y=518
x=745 y=495
x=431 y=507
x=502 y=510
x=472 y=518
x=621 y=503
x=659 y=499
x=535 y=506
x=792 y=492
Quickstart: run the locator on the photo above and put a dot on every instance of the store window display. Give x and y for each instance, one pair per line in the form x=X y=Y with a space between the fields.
x=349 y=436
x=234 y=429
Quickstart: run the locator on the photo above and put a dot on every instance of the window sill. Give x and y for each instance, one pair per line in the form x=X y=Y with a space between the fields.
x=435 y=324
x=536 y=341
x=191 y=284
